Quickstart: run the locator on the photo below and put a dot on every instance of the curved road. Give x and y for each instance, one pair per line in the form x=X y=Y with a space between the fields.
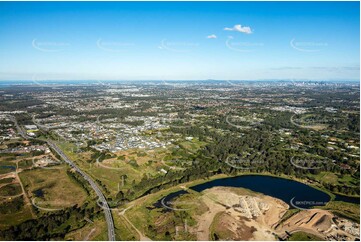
x=107 y=211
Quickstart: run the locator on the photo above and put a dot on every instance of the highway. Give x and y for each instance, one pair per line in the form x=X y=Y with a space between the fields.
x=19 y=129
x=107 y=211
x=39 y=125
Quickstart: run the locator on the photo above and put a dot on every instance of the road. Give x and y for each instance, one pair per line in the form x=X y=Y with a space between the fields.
x=46 y=127
x=39 y=125
x=107 y=211
x=91 y=231
x=142 y=237
x=26 y=198
x=237 y=126
x=19 y=129
x=172 y=167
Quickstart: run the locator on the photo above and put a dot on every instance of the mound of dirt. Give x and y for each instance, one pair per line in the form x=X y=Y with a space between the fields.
x=239 y=214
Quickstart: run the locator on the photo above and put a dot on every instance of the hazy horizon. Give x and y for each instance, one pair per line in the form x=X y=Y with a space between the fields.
x=179 y=40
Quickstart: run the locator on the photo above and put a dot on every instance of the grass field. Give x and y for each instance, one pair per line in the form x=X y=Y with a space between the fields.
x=14 y=218
x=111 y=171
x=344 y=209
x=7 y=166
x=192 y=146
x=216 y=231
x=302 y=236
x=6 y=180
x=124 y=231
x=287 y=215
x=25 y=164
x=91 y=231
x=57 y=188
x=10 y=190
x=160 y=224
x=336 y=179
x=131 y=164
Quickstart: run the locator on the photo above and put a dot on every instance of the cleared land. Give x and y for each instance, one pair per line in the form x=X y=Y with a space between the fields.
x=320 y=223
x=52 y=188
x=243 y=215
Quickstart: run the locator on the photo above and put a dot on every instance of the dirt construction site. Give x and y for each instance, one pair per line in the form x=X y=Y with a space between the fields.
x=240 y=214
x=322 y=224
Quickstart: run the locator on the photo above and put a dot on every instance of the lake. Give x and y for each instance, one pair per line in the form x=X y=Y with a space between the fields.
x=294 y=193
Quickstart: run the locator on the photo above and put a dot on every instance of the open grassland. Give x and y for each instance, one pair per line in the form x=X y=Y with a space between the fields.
x=103 y=236
x=287 y=215
x=7 y=165
x=10 y=190
x=303 y=236
x=156 y=223
x=6 y=180
x=13 y=212
x=344 y=209
x=127 y=168
x=26 y=163
x=192 y=145
x=217 y=232
x=336 y=179
x=124 y=230
x=310 y=121
x=90 y=231
x=120 y=172
x=54 y=187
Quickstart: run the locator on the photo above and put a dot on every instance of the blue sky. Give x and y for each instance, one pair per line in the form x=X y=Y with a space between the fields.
x=179 y=40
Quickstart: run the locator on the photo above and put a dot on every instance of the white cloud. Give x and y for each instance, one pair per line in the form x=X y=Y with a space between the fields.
x=239 y=28
x=212 y=36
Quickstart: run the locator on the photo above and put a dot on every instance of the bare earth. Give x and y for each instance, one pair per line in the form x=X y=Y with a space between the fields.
x=242 y=215
x=321 y=223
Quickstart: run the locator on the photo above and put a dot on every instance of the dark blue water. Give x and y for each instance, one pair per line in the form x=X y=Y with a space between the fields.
x=39 y=193
x=347 y=199
x=280 y=188
x=291 y=192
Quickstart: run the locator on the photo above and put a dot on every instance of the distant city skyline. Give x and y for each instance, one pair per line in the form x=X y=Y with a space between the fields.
x=179 y=40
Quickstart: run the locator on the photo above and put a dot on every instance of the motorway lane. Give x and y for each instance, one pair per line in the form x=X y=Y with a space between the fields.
x=107 y=211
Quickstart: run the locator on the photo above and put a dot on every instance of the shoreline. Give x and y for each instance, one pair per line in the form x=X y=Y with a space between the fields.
x=187 y=185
